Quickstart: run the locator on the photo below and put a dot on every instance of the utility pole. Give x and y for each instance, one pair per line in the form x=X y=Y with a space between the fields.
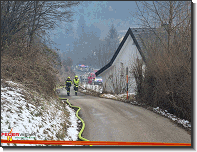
x=127 y=81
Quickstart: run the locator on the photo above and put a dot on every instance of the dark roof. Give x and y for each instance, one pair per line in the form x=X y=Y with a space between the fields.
x=142 y=35
x=137 y=35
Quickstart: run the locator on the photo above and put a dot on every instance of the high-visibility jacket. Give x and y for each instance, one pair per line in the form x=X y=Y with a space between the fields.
x=68 y=83
x=76 y=82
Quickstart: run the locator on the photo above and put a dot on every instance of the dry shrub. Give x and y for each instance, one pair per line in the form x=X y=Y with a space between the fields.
x=138 y=75
x=167 y=79
x=32 y=67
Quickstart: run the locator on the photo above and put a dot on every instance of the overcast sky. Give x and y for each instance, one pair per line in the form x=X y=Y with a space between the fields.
x=101 y=14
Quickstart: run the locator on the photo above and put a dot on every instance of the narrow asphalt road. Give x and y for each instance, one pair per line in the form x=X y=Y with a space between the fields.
x=110 y=120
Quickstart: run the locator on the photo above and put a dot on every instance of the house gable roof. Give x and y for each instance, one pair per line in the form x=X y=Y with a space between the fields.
x=129 y=32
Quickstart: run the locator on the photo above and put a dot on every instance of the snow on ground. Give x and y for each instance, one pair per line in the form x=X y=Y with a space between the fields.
x=48 y=120
x=97 y=88
x=72 y=131
x=117 y=96
x=165 y=113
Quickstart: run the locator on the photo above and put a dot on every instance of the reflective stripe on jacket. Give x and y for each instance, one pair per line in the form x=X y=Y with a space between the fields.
x=68 y=83
x=76 y=82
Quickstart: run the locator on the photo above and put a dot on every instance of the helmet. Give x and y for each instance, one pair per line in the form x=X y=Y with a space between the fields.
x=68 y=77
x=76 y=76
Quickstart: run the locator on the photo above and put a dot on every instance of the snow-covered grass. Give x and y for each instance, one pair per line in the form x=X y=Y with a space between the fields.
x=96 y=88
x=118 y=96
x=122 y=97
x=27 y=112
x=165 y=113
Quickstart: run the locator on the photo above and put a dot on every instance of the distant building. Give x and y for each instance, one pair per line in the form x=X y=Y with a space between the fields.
x=129 y=50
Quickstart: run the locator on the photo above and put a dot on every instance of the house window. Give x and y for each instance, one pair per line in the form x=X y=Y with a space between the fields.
x=121 y=69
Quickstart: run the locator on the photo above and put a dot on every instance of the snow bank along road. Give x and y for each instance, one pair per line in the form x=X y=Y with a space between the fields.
x=110 y=120
x=20 y=112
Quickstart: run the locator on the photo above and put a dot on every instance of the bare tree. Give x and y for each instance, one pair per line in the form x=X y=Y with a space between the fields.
x=168 y=71
x=171 y=15
x=34 y=16
x=14 y=18
x=46 y=14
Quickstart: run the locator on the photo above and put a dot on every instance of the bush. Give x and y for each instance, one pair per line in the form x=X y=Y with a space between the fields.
x=167 y=80
x=34 y=67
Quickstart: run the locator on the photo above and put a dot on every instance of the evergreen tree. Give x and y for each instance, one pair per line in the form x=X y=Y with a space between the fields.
x=111 y=42
x=85 y=44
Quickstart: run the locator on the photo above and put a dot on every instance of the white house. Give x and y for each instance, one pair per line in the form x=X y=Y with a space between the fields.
x=114 y=73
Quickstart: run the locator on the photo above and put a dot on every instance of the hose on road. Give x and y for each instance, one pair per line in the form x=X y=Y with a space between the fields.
x=83 y=123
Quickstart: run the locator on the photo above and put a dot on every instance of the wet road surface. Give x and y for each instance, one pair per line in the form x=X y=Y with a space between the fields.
x=110 y=120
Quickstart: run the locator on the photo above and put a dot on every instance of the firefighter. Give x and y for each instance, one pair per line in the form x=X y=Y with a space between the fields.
x=76 y=84
x=68 y=85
